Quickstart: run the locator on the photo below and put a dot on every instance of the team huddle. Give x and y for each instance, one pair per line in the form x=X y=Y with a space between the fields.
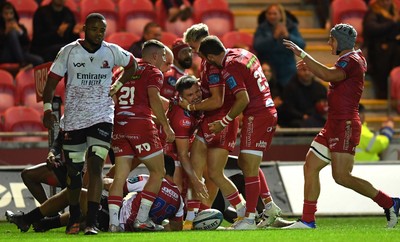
x=182 y=129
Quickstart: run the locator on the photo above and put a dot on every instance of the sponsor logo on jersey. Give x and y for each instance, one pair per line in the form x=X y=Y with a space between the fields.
x=342 y=64
x=185 y=123
x=213 y=79
x=169 y=192
x=91 y=59
x=171 y=81
x=261 y=144
x=231 y=82
x=105 y=65
x=79 y=64
x=135 y=179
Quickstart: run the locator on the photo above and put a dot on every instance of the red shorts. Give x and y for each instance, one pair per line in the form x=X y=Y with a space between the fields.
x=226 y=139
x=340 y=135
x=257 y=131
x=139 y=137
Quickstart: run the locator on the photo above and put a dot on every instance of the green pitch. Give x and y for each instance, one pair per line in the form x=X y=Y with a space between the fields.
x=342 y=229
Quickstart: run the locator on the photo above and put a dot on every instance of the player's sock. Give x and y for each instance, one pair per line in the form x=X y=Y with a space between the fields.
x=114 y=205
x=203 y=207
x=32 y=216
x=252 y=189
x=309 y=210
x=193 y=207
x=74 y=213
x=91 y=216
x=236 y=200
x=265 y=194
x=383 y=200
x=145 y=205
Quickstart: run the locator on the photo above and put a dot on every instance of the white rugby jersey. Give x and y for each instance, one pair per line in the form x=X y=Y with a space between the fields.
x=88 y=76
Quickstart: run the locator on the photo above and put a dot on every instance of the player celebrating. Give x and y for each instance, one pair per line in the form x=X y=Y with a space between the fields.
x=336 y=142
x=89 y=111
x=242 y=73
x=135 y=134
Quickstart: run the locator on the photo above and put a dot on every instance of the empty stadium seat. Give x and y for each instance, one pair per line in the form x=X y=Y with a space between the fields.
x=8 y=91
x=135 y=14
x=168 y=38
x=23 y=119
x=235 y=39
x=215 y=14
x=123 y=39
x=351 y=12
x=105 y=7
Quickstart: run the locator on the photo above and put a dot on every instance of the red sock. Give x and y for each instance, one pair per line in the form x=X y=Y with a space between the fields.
x=203 y=207
x=116 y=200
x=309 y=210
x=252 y=189
x=234 y=198
x=192 y=204
x=264 y=189
x=383 y=200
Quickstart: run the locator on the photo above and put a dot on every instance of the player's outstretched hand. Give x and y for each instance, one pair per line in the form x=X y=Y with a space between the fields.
x=293 y=47
x=200 y=188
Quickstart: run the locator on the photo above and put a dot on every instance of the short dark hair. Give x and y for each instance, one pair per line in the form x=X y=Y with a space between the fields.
x=211 y=45
x=150 y=25
x=94 y=16
x=185 y=82
x=169 y=165
x=153 y=43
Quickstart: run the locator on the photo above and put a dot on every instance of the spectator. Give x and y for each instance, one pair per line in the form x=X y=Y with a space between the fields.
x=54 y=26
x=304 y=101
x=373 y=144
x=274 y=24
x=381 y=29
x=151 y=31
x=14 y=40
x=178 y=13
x=273 y=86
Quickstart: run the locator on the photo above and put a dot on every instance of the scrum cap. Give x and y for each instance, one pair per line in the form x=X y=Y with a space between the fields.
x=345 y=35
x=178 y=45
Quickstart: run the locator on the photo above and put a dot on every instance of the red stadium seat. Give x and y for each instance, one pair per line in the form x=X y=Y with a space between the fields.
x=135 y=14
x=351 y=12
x=105 y=7
x=215 y=14
x=26 y=9
x=236 y=39
x=22 y=79
x=168 y=38
x=23 y=119
x=8 y=91
x=123 y=39
x=13 y=68
x=394 y=82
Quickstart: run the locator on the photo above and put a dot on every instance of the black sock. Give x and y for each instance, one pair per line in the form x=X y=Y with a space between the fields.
x=50 y=223
x=91 y=216
x=34 y=215
x=74 y=213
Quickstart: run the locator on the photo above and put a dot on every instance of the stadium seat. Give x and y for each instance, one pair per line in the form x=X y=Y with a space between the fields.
x=236 y=39
x=105 y=7
x=168 y=38
x=8 y=91
x=123 y=39
x=71 y=4
x=351 y=12
x=394 y=82
x=215 y=14
x=22 y=79
x=135 y=14
x=23 y=119
x=11 y=67
x=26 y=9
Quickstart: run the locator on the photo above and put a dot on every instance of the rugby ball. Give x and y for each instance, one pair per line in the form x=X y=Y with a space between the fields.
x=208 y=219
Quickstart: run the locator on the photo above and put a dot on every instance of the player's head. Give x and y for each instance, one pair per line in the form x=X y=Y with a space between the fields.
x=211 y=48
x=345 y=36
x=188 y=88
x=154 y=52
x=182 y=53
x=194 y=34
x=95 y=29
x=169 y=59
x=169 y=165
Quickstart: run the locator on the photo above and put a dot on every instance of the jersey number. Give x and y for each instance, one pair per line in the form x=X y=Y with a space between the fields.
x=145 y=146
x=261 y=80
x=127 y=96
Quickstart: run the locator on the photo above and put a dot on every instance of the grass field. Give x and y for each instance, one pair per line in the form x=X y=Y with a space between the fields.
x=351 y=229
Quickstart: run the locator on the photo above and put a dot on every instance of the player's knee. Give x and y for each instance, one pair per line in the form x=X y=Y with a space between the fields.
x=26 y=176
x=341 y=178
x=99 y=151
